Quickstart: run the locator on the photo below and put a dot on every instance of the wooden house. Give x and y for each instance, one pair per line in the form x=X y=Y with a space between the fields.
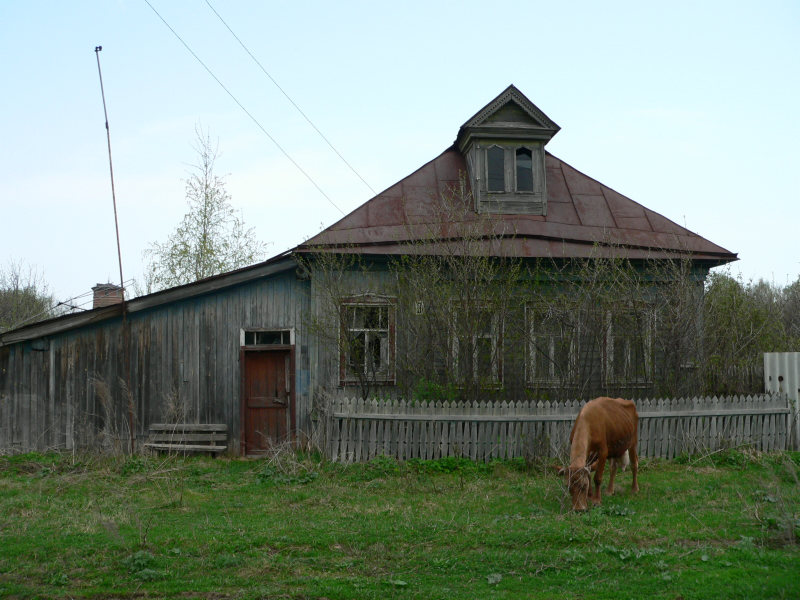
x=246 y=348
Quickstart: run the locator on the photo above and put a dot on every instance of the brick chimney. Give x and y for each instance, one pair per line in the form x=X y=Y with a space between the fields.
x=106 y=294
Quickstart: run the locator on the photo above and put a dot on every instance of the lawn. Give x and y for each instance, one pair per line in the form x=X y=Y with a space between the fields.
x=294 y=526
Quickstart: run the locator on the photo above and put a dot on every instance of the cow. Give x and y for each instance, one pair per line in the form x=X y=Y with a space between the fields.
x=605 y=428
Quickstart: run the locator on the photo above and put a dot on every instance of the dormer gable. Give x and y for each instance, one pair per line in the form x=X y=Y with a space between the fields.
x=503 y=144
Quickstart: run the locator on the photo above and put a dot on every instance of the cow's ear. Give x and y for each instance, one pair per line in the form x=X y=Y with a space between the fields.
x=559 y=469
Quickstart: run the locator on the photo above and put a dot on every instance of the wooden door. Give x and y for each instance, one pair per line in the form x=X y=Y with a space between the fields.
x=267 y=399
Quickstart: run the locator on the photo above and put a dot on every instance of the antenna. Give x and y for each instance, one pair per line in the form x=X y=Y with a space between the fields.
x=126 y=328
x=97 y=50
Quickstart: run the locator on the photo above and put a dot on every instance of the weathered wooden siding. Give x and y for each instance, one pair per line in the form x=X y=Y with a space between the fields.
x=70 y=388
x=372 y=277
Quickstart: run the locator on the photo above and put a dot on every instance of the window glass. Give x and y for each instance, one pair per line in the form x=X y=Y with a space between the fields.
x=524 y=170
x=485 y=363
x=552 y=345
x=495 y=159
x=628 y=349
x=476 y=352
x=267 y=338
x=366 y=351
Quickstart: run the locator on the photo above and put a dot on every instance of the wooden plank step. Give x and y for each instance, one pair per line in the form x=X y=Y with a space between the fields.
x=195 y=427
x=186 y=447
x=188 y=437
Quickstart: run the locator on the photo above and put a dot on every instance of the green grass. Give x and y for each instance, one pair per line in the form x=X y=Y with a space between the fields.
x=293 y=526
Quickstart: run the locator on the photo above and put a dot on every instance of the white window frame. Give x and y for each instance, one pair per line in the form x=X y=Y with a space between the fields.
x=286 y=333
x=551 y=379
x=496 y=337
x=385 y=375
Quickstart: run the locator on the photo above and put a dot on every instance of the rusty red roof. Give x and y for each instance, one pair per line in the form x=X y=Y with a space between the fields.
x=584 y=218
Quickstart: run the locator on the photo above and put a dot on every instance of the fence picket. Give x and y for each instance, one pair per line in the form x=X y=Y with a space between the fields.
x=357 y=430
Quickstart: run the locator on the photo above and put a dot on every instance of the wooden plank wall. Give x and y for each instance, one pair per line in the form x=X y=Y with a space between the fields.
x=356 y=430
x=75 y=388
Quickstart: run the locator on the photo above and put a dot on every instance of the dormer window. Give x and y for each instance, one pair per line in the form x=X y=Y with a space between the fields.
x=497 y=175
x=513 y=178
x=503 y=145
x=496 y=169
x=524 y=168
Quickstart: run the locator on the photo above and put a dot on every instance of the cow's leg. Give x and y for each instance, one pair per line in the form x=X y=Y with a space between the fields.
x=610 y=488
x=598 y=478
x=634 y=468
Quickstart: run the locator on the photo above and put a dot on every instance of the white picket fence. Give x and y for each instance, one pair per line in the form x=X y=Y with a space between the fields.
x=356 y=430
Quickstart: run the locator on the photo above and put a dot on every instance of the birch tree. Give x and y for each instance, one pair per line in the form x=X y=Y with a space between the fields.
x=211 y=239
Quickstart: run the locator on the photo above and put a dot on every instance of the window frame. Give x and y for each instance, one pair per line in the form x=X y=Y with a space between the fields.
x=532 y=378
x=530 y=152
x=628 y=377
x=502 y=170
x=496 y=336
x=249 y=337
x=387 y=377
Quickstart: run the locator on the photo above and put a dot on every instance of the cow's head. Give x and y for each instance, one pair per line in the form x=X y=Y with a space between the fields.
x=578 y=484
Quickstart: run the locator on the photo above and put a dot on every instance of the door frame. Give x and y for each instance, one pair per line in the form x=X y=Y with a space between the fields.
x=292 y=431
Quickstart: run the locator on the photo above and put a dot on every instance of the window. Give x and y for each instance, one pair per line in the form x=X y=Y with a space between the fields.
x=552 y=346
x=367 y=342
x=477 y=348
x=495 y=169
x=524 y=164
x=628 y=346
x=268 y=337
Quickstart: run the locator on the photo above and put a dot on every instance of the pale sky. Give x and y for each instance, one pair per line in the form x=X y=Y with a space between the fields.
x=689 y=108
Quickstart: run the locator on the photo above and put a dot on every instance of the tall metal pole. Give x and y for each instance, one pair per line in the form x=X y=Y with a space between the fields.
x=97 y=50
x=126 y=331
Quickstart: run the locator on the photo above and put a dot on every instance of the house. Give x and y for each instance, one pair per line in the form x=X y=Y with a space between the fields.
x=257 y=348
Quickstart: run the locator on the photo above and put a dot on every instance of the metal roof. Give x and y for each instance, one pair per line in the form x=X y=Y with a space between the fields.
x=584 y=218
x=581 y=216
x=277 y=264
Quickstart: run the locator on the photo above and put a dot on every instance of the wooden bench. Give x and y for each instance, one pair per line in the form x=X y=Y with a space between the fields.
x=188 y=437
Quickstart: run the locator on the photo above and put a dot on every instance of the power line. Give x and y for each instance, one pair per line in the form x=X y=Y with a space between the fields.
x=293 y=103
x=247 y=112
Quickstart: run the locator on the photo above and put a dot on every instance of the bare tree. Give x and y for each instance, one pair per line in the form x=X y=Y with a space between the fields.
x=211 y=238
x=456 y=292
x=24 y=296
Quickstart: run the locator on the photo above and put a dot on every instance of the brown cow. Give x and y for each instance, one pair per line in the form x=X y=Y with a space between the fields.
x=605 y=428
